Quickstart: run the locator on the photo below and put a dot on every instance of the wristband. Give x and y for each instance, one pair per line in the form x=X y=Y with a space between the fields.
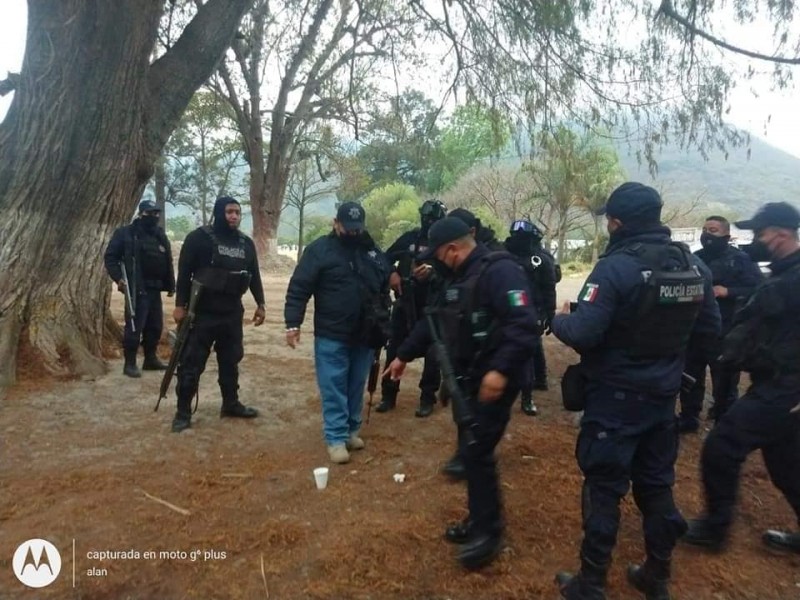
x=290 y=329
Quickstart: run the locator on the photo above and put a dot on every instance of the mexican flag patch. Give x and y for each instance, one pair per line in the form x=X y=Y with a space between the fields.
x=589 y=293
x=517 y=298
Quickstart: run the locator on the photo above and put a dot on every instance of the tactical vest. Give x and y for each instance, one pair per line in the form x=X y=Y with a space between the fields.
x=670 y=300
x=467 y=329
x=228 y=272
x=153 y=256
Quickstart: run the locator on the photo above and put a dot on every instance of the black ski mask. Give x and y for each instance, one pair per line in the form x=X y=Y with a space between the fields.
x=149 y=222
x=714 y=244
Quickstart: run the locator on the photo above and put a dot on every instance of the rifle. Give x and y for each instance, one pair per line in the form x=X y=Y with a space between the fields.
x=687 y=382
x=372 y=383
x=128 y=297
x=461 y=410
x=408 y=301
x=180 y=341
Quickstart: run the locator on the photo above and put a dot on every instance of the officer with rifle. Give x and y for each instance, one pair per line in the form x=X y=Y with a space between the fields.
x=411 y=282
x=488 y=329
x=224 y=261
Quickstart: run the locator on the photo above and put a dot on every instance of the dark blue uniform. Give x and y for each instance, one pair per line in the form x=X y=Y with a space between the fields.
x=500 y=303
x=734 y=270
x=767 y=332
x=628 y=432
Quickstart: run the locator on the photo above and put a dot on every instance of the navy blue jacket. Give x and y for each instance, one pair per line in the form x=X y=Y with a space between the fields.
x=126 y=246
x=618 y=280
x=329 y=271
x=736 y=271
x=517 y=330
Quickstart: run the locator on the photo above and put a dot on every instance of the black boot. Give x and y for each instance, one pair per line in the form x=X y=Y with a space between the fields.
x=455 y=469
x=705 y=534
x=152 y=363
x=782 y=540
x=589 y=584
x=460 y=533
x=687 y=424
x=426 y=402
x=130 y=369
x=651 y=578
x=528 y=407
x=387 y=403
x=238 y=410
x=182 y=420
x=479 y=550
x=541 y=384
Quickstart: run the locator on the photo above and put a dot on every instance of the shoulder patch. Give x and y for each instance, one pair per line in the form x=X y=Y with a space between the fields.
x=517 y=298
x=589 y=292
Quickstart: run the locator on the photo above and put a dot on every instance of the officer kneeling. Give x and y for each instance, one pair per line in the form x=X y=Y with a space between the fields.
x=489 y=329
x=632 y=325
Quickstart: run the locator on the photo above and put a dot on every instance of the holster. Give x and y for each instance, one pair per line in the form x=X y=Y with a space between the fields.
x=573 y=389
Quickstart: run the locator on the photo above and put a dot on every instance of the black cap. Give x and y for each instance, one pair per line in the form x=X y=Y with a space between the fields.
x=148 y=206
x=464 y=215
x=633 y=202
x=443 y=232
x=351 y=215
x=772 y=214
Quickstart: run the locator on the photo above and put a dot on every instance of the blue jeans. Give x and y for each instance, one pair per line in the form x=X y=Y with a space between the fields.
x=342 y=372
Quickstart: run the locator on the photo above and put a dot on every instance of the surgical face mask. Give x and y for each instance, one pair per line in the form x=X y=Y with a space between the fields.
x=714 y=243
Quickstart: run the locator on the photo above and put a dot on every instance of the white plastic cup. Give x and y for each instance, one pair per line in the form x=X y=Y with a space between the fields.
x=321 y=477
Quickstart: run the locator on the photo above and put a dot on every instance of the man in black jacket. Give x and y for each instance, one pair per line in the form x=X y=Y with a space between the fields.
x=144 y=249
x=524 y=242
x=411 y=283
x=224 y=261
x=735 y=276
x=348 y=276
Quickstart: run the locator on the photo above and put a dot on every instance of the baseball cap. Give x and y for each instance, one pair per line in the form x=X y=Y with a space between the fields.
x=351 y=215
x=633 y=202
x=443 y=232
x=772 y=214
x=148 y=206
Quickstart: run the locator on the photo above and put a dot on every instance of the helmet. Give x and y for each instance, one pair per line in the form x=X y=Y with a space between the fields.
x=432 y=210
x=525 y=226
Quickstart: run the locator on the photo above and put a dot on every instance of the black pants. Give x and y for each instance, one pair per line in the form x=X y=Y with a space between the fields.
x=149 y=322
x=759 y=420
x=724 y=381
x=536 y=371
x=224 y=332
x=639 y=448
x=431 y=375
x=483 y=490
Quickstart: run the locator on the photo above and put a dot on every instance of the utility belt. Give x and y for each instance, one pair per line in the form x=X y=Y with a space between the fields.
x=222 y=281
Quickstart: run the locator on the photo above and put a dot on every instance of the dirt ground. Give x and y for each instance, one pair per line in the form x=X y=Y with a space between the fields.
x=85 y=463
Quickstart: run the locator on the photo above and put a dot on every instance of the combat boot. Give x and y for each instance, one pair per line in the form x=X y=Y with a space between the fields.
x=181 y=421
x=480 y=549
x=426 y=402
x=528 y=407
x=130 y=369
x=705 y=534
x=387 y=403
x=152 y=363
x=782 y=540
x=460 y=533
x=651 y=578
x=238 y=410
x=589 y=584
x=455 y=469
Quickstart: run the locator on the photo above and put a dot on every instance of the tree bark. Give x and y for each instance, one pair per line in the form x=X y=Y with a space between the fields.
x=80 y=140
x=161 y=192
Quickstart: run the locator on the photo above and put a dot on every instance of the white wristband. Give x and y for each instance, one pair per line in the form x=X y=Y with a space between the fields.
x=290 y=329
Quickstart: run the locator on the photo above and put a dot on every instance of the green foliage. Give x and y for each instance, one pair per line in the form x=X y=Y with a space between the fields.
x=315 y=227
x=489 y=219
x=380 y=206
x=179 y=227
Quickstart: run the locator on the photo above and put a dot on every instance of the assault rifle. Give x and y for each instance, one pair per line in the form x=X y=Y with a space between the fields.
x=461 y=410
x=129 y=308
x=372 y=383
x=180 y=340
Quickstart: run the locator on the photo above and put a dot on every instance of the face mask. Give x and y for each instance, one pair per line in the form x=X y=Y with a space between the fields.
x=149 y=221
x=350 y=240
x=714 y=243
x=765 y=247
x=519 y=244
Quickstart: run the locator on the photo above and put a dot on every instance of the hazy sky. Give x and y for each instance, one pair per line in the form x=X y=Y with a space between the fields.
x=747 y=112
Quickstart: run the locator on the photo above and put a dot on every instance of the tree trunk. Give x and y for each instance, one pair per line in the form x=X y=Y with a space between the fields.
x=267 y=213
x=161 y=192
x=301 y=210
x=80 y=140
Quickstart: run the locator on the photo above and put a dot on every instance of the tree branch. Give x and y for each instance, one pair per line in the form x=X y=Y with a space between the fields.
x=185 y=66
x=668 y=11
x=9 y=84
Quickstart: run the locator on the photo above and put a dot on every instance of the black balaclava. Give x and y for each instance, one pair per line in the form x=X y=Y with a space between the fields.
x=149 y=222
x=220 y=224
x=714 y=245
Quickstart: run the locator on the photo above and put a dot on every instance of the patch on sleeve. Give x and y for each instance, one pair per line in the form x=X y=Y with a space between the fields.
x=517 y=298
x=589 y=293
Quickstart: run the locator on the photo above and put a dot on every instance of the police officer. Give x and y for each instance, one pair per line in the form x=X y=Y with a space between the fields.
x=482 y=234
x=224 y=261
x=631 y=328
x=411 y=282
x=735 y=276
x=348 y=276
x=489 y=327
x=524 y=242
x=144 y=249
x=765 y=341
